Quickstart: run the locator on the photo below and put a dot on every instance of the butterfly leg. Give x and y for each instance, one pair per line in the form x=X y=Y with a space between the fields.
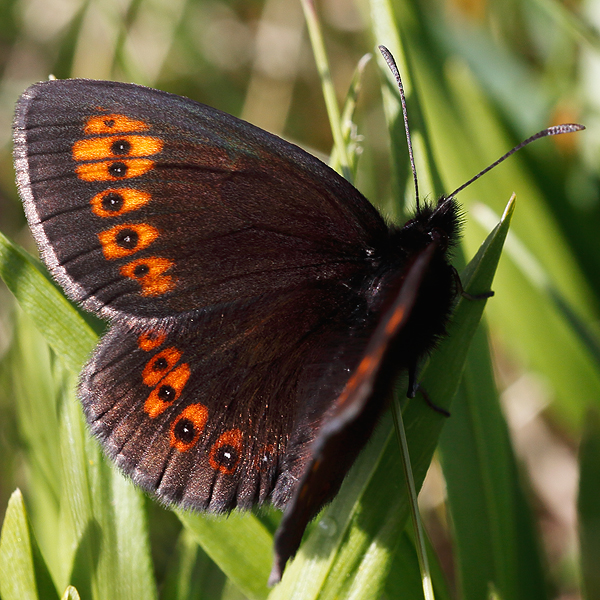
x=414 y=386
x=461 y=290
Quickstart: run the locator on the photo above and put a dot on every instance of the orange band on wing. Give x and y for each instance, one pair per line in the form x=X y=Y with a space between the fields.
x=113 y=124
x=127 y=239
x=395 y=319
x=159 y=365
x=114 y=170
x=150 y=340
x=148 y=272
x=117 y=201
x=167 y=391
x=116 y=147
x=188 y=426
x=226 y=452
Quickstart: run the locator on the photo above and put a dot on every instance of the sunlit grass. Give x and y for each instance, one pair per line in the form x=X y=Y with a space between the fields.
x=480 y=78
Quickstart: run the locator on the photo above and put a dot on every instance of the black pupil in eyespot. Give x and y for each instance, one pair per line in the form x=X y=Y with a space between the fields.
x=166 y=393
x=112 y=202
x=185 y=431
x=127 y=238
x=141 y=270
x=120 y=147
x=118 y=169
x=160 y=364
x=226 y=456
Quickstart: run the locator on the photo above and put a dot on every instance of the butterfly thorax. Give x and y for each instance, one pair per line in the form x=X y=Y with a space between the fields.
x=438 y=225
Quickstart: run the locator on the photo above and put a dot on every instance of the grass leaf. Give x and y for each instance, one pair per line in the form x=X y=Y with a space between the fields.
x=23 y=572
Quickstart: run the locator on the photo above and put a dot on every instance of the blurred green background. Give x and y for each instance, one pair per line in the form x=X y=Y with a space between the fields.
x=486 y=75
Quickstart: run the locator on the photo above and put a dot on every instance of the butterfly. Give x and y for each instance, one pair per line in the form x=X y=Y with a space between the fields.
x=260 y=307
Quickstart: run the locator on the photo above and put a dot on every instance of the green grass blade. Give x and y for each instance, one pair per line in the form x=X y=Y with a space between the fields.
x=526 y=319
x=132 y=542
x=23 y=572
x=360 y=529
x=417 y=524
x=191 y=573
x=35 y=391
x=347 y=120
x=103 y=527
x=103 y=518
x=63 y=327
x=239 y=544
x=333 y=110
x=493 y=531
x=71 y=593
x=404 y=579
x=589 y=505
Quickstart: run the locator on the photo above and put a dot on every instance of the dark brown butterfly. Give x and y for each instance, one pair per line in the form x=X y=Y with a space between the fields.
x=259 y=306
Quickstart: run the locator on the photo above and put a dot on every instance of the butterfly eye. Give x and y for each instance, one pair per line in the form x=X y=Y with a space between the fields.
x=149 y=273
x=158 y=366
x=124 y=240
x=225 y=457
x=184 y=431
x=127 y=238
x=440 y=236
x=167 y=391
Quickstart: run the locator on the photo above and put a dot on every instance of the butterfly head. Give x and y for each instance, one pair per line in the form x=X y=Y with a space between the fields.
x=440 y=223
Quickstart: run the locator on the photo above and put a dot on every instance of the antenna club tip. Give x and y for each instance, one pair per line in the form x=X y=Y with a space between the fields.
x=565 y=128
x=386 y=54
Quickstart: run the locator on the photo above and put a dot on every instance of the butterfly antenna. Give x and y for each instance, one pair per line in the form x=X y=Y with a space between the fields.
x=391 y=63
x=555 y=130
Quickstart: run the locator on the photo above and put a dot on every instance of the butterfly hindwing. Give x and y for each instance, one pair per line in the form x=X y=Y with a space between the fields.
x=146 y=204
x=202 y=413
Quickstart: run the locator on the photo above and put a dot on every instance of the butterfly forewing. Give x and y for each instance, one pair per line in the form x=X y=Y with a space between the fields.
x=237 y=383
x=146 y=204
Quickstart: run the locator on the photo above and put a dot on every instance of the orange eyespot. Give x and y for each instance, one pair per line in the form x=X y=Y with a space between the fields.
x=150 y=340
x=114 y=170
x=167 y=391
x=188 y=426
x=159 y=365
x=125 y=240
x=149 y=273
x=116 y=147
x=226 y=452
x=113 y=124
x=117 y=201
